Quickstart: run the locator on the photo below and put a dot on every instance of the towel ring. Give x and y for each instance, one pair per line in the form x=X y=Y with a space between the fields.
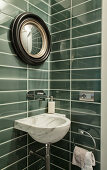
x=83 y=132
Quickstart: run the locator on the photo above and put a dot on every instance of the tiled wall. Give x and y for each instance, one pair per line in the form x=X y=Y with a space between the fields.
x=16 y=78
x=75 y=66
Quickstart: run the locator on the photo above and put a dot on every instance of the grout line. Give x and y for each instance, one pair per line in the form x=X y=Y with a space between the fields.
x=57 y=166
x=12 y=103
x=13 y=67
x=12 y=139
x=37 y=110
x=86 y=124
x=38 y=8
x=6 y=129
x=14 y=6
x=13 y=115
x=57 y=3
x=60 y=158
x=13 y=163
x=76 y=16
x=68 y=29
x=10 y=91
x=92 y=68
x=86 y=79
x=86 y=13
x=81 y=3
x=93 y=45
x=61 y=148
x=1 y=52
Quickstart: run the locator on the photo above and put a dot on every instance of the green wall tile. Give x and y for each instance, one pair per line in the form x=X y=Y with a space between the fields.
x=40 y=4
x=86 y=74
x=61 y=36
x=60 y=94
x=37 y=84
x=87 y=51
x=60 y=45
x=83 y=107
x=86 y=18
x=86 y=29
x=21 y=164
x=13 y=157
x=38 y=74
x=86 y=85
x=13 y=85
x=13 y=73
x=60 y=26
x=63 y=65
x=85 y=7
x=60 y=6
x=11 y=109
x=61 y=55
x=77 y=2
x=86 y=63
x=85 y=41
x=60 y=74
x=36 y=11
x=60 y=16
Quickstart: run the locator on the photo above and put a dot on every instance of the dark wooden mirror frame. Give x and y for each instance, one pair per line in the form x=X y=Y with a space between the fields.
x=17 y=24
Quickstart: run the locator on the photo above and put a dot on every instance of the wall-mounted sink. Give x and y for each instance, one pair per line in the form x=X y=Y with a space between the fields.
x=45 y=128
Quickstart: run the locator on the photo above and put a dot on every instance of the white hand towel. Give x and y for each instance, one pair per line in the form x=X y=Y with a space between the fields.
x=89 y=161
x=79 y=156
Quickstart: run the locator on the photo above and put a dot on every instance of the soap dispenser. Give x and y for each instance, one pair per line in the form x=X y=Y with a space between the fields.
x=51 y=106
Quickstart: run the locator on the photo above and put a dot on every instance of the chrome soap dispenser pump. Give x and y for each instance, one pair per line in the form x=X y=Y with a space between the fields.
x=51 y=106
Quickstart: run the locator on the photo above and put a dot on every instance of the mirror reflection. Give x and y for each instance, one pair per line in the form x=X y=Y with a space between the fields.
x=31 y=39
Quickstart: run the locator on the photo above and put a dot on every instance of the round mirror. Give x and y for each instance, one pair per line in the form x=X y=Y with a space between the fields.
x=31 y=38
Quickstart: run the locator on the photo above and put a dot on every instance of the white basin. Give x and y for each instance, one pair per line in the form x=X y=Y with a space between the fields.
x=45 y=128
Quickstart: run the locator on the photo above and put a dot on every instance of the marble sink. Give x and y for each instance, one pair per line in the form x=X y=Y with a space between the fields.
x=44 y=128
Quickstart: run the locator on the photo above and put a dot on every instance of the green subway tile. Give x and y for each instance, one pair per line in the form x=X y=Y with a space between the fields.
x=37 y=165
x=13 y=85
x=61 y=36
x=60 y=16
x=62 y=104
x=11 y=60
x=86 y=63
x=75 y=96
x=82 y=107
x=94 y=131
x=13 y=157
x=58 y=151
x=36 y=11
x=36 y=112
x=62 y=144
x=55 y=1
x=9 y=121
x=20 y=4
x=5 y=20
x=60 y=26
x=85 y=41
x=77 y=2
x=86 y=85
x=86 y=29
x=61 y=66
x=85 y=7
x=12 y=97
x=61 y=6
x=6 y=47
x=37 y=84
x=60 y=94
x=13 y=73
x=37 y=74
x=4 y=33
x=41 y=66
x=86 y=74
x=58 y=46
x=86 y=18
x=11 y=109
x=85 y=140
x=40 y=4
x=54 y=167
x=60 y=162
x=60 y=74
x=60 y=85
x=9 y=9
x=21 y=164
x=47 y=1
x=87 y=51
x=10 y=134
x=34 y=105
x=66 y=113
x=61 y=55
x=86 y=118
x=13 y=145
